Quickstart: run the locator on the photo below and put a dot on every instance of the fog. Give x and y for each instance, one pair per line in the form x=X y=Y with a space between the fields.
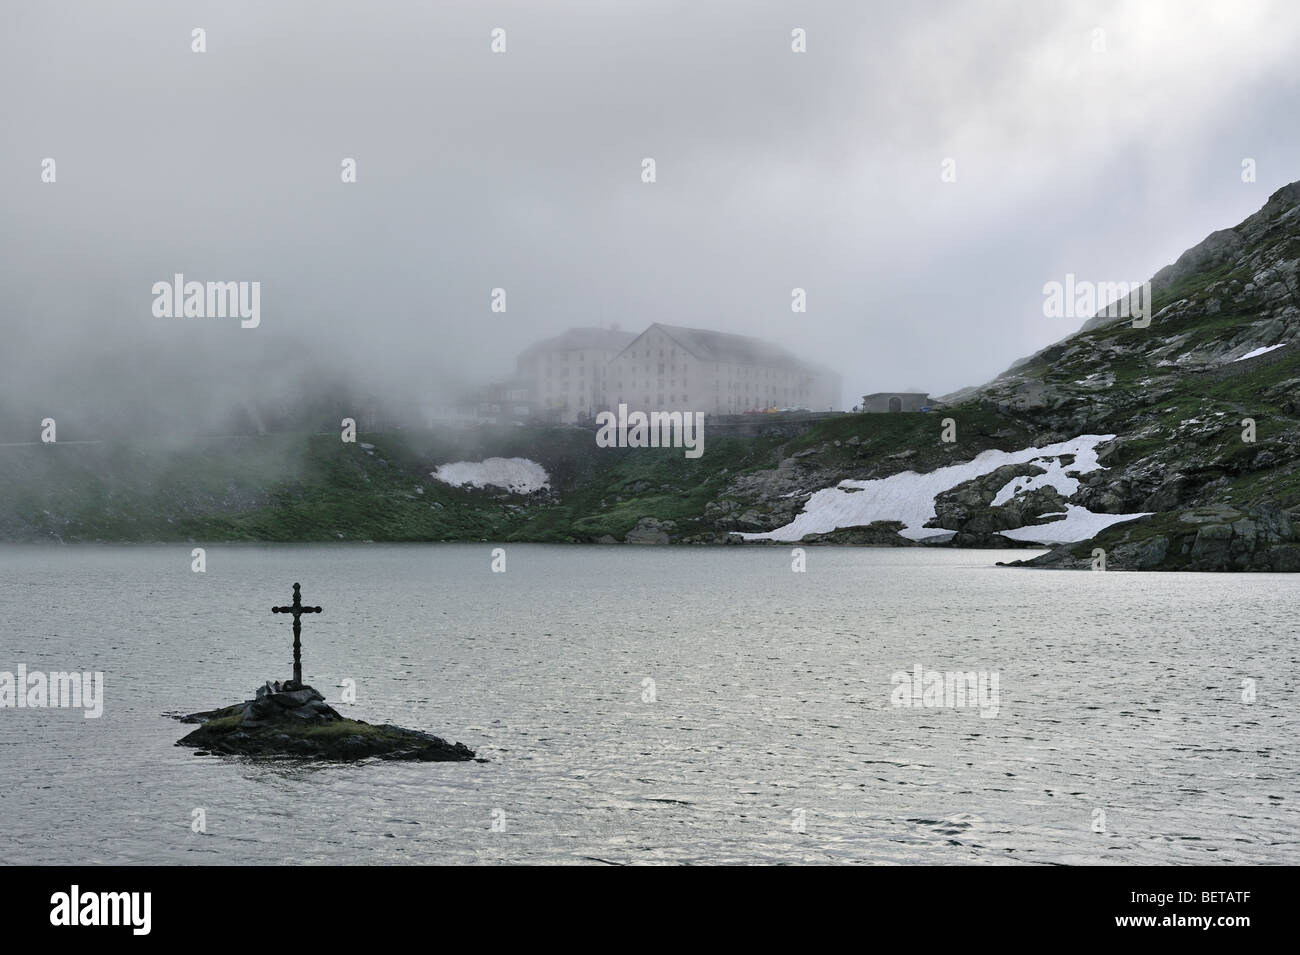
x=522 y=170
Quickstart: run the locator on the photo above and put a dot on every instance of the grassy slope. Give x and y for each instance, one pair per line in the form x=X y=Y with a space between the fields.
x=299 y=487
x=315 y=487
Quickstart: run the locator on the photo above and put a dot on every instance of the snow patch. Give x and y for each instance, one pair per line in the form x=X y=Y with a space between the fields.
x=1260 y=351
x=1079 y=524
x=1057 y=475
x=909 y=497
x=518 y=475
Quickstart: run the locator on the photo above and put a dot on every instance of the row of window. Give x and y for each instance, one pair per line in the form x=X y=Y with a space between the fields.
x=788 y=392
x=564 y=372
x=734 y=371
x=582 y=356
x=737 y=403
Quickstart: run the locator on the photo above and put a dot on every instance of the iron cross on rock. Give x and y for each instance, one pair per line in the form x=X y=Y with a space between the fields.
x=297 y=609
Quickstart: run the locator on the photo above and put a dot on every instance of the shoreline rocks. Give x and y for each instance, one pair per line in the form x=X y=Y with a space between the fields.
x=1211 y=538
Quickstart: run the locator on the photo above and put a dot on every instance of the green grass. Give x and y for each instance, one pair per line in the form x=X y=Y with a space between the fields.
x=316 y=488
x=224 y=724
x=624 y=485
x=338 y=730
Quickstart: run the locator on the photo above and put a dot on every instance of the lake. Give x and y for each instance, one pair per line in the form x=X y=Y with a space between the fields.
x=658 y=705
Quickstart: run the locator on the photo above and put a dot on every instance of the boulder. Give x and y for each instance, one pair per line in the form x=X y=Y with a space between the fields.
x=650 y=530
x=296 y=697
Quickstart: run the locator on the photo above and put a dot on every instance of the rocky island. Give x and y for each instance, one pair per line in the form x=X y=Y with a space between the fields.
x=292 y=720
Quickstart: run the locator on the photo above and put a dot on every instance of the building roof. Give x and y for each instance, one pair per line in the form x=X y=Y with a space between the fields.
x=898 y=394
x=708 y=345
x=608 y=339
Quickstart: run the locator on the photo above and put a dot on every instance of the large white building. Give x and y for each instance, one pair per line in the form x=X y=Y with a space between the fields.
x=670 y=368
x=566 y=373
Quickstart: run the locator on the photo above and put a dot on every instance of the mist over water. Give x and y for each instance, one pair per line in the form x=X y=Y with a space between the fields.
x=521 y=171
x=1118 y=692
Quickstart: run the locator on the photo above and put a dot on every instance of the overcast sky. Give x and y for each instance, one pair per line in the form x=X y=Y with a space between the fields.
x=522 y=170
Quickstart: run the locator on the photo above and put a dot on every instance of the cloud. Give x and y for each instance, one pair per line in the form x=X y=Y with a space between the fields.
x=521 y=170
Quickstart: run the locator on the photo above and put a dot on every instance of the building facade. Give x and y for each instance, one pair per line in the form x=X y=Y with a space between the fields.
x=886 y=401
x=669 y=367
x=566 y=375
x=573 y=376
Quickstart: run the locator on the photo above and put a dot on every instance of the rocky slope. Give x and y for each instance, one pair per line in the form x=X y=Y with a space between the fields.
x=1208 y=437
x=1203 y=406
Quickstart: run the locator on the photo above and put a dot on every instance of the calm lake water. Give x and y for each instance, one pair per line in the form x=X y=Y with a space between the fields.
x=1119 y=694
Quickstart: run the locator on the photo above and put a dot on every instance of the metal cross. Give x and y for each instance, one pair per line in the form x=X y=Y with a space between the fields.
x=297 y=609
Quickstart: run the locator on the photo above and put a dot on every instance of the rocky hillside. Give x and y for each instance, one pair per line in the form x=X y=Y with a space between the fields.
x=1205 y=403
x=1173 y=446
x=1199 y=411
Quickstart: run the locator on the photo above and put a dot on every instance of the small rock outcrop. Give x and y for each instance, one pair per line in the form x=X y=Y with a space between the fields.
x=876 y=534
x=288 y=720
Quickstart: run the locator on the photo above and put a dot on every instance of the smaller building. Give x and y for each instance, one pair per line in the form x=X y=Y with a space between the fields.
x=506 y=402
x=885 y=401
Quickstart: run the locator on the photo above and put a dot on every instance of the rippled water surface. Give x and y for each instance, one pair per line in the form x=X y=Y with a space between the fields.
x=1118 y=693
